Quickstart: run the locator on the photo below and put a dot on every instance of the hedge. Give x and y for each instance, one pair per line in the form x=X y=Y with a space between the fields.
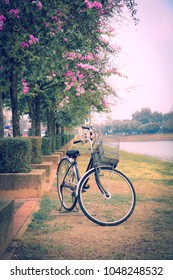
x=15 y=155
x=46 y=147
x=53 y=146
x=58 y=142
x=36 y=155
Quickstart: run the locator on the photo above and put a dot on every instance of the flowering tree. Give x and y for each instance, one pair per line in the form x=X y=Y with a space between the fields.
x=55 y=48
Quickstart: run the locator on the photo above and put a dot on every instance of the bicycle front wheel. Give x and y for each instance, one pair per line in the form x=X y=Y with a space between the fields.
x=111 y=209
x=66 y=184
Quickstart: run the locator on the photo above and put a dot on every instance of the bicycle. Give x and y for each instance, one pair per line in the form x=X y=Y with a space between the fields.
x=105 y=195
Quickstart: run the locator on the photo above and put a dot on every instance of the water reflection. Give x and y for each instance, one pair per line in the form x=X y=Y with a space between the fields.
x=160 y=149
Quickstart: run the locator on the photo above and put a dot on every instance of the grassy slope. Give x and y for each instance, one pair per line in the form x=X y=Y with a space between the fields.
x=146 y=137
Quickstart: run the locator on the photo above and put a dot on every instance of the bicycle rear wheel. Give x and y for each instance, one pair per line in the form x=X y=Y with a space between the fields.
x=110 y=210
x=66 y=184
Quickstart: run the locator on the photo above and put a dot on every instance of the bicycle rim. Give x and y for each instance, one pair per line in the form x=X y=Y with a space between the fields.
x=66 y=184
x=114 y=209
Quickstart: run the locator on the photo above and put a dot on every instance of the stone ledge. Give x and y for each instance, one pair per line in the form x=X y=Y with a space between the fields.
x=6 y=224
x=60 y=153
x=23 y=185
x=48 y=166
x=54 y=158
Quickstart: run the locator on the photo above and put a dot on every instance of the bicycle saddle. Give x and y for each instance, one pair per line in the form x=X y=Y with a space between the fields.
x=73 y=153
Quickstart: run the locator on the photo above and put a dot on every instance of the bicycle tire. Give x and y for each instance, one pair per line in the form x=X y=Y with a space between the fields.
x=104 y=211
x=66 y=184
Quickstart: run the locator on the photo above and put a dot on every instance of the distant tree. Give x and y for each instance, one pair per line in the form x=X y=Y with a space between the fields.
x=157 y=117
x=144 y=116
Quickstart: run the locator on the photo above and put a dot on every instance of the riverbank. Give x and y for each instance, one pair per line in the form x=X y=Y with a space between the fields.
x=145 y=137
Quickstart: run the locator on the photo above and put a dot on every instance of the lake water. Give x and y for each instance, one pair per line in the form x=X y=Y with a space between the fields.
x=159 y=149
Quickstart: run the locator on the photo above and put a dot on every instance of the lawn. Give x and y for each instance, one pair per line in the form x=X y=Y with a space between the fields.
x=148 y=234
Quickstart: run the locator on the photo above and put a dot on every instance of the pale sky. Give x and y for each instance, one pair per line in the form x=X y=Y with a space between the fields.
x=147 y=59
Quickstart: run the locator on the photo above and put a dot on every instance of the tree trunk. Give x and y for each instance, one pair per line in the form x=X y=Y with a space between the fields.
x=14 y=101
x=37 y=115
x=34 y=112
x=1 y=117
x=50 y=122
x=57 y=128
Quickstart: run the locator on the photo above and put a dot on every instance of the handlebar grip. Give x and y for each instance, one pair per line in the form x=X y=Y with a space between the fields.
x=86 y=127
x=77 y=141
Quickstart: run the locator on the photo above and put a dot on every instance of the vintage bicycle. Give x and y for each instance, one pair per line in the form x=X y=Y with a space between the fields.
x=105 y=195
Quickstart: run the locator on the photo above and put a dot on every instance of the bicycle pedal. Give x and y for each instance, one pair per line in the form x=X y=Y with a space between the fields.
x=86 y=187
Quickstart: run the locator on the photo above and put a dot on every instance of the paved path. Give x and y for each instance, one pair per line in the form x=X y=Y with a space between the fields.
x=22 y=216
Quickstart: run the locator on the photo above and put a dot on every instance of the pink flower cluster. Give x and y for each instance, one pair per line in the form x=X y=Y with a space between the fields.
x=105 y=103
x=39 y=5
x=25 y=86
x=32 y=40
x=2 y=20
x=95 y=4
x=64 y=102
x=14 y=13
x=72 y=56
x=75 y=80
x=87 y=67
x=52 y=75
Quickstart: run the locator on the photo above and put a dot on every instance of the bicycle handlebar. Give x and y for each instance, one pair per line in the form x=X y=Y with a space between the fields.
x=77 y=141
x=86 y=127
x=92 y=139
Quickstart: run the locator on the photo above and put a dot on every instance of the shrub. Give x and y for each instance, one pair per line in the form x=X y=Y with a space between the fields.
x=15 y=155
x=46 y=147
x=36 y=143
x=53 y=145
x=58 y=142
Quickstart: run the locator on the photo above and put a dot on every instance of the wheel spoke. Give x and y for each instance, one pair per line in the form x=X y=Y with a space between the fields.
x=113 y=206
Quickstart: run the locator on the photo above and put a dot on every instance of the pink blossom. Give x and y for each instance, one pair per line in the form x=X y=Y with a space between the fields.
x=88 y=57
x=69 y=73
x=33 y=40
x=72 y=84
x=69 y=55
x=52 y=34
x=2 y=20
x=39 y=5
x=88 y=4
x=65 y=39
x=64 y=101
x=105 y=103
x=24 y=45
x=97 y=5
x=25 y=86
x=46 y=24
x=87 y=66
x=80 y=76
x=15 y=13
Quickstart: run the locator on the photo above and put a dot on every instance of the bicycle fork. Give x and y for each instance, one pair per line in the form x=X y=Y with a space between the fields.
x=98 y=174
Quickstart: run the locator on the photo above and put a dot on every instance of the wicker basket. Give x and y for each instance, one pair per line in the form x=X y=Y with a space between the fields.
x=106 y=154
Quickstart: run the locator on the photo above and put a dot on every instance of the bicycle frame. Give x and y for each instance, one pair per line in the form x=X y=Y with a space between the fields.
x=90 y=166
x=91 y=163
